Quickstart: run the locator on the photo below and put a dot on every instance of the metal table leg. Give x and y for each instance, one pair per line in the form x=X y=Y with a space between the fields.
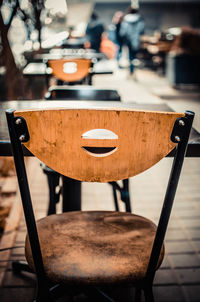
x=71 y=194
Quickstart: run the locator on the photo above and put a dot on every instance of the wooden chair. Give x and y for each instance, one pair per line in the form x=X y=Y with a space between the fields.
x=71 y=70
x=98 y=248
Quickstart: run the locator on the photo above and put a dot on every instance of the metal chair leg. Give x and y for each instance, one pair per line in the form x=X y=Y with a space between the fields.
x=43 y=294
x=53 y=182
x=18 y=266
x=125 y=196
x=71 y=194
x=124 y=191
x=115 y=199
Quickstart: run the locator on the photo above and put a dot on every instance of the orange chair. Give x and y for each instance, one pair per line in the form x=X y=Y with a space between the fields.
x=71 y=70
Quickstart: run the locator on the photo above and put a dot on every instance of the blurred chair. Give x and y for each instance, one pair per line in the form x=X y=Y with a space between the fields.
x=82 y=93
x=71 y=71
x=88 y=250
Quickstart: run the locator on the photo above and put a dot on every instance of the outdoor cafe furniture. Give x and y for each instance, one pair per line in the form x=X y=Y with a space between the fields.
x=41 y=70
x=71 y=70
x=88 y=250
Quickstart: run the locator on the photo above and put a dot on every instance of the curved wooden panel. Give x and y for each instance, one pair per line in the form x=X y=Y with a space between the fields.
x=56 y=139
x=70 y=70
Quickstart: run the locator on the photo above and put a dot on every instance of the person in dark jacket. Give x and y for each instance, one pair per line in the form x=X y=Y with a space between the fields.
x=94 y=32
x=131 y=29
x=116 y=22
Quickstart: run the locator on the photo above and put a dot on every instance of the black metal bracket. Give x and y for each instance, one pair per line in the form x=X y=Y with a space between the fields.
x=123 y=193
x=21 y=129
x=178 y=131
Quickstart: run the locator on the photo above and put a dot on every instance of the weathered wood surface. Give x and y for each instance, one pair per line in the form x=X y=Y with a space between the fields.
x=56 y=139
x=95 y=247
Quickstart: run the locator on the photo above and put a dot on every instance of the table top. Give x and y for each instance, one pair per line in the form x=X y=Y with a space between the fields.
x=194 y=141
x=70 y=54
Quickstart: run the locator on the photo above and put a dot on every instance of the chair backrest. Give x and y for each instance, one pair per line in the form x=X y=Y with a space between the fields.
x=81 y=93
x=99 y=145
x=70 y=70
x=133 y=142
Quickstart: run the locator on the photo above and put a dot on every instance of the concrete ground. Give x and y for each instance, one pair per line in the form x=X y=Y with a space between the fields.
x=178 y=279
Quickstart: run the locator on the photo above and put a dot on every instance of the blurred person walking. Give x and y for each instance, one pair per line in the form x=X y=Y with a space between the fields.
x=131 y=29
x=94 y=31
x=116 y=26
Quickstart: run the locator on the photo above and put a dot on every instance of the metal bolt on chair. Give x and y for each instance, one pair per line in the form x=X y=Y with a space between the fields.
x=94 y=249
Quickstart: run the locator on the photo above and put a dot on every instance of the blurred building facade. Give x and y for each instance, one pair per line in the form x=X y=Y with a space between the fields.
x=158 y=14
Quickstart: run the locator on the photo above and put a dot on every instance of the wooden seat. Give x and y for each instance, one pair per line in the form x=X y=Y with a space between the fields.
x=95 y=247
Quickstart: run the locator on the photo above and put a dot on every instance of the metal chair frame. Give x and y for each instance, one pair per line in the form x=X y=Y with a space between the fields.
x=45 y=291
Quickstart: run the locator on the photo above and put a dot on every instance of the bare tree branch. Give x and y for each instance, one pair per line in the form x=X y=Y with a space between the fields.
x=1 y=21
x=25 y=15
x=14 y=11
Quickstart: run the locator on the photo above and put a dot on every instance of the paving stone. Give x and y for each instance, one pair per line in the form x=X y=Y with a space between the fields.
x=175 y=234
x=188 y=260
x=17 y=258
x=181 y=204
x=164 y=276
x=191 y=223
x=20 y=236
x=17 y=294
x=189 y=275
x=165 y=264
x=168 y=294
x=194 y=233
x=196 y=243
x=174 y=223
x=179 y=247
x=18 y=250
x=19 y=280
x=188 y=213
x=9 y=186
x=193 y=293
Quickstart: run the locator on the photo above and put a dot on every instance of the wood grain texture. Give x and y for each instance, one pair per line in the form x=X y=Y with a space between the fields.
x=82 y=69
x=56 y=139
x=95 y=248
